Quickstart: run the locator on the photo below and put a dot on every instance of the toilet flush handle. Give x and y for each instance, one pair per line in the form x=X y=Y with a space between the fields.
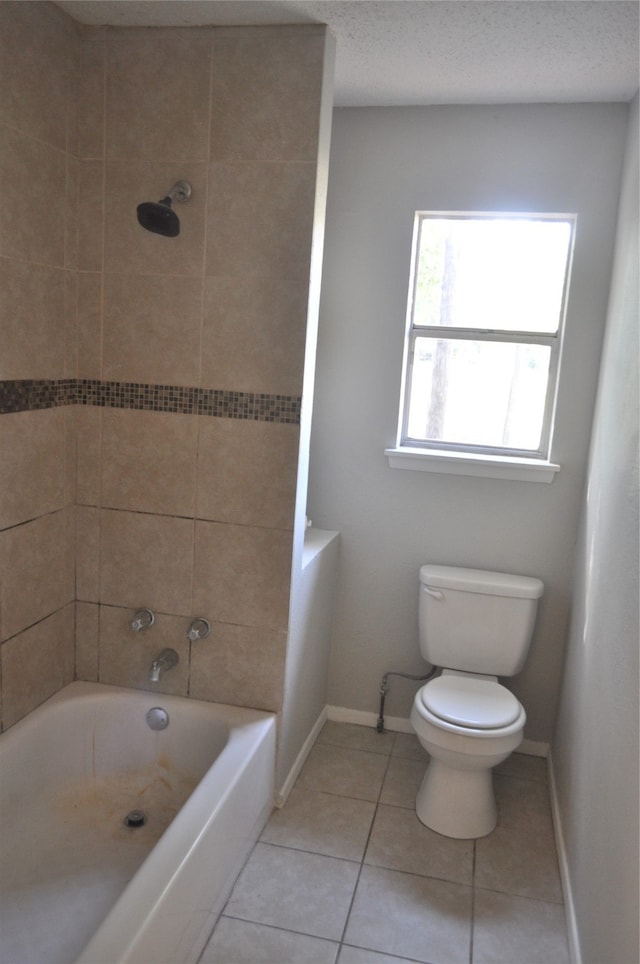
x=436 y=593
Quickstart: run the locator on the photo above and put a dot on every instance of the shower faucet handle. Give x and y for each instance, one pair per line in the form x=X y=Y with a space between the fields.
x=143 y=619
x=199 y=629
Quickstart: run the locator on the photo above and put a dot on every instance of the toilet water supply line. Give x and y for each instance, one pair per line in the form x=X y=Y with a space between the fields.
x=384 y=689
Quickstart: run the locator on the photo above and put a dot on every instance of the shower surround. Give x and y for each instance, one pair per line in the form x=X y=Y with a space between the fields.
x=151 y=387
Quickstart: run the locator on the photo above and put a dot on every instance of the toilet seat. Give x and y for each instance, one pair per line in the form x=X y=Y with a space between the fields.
x=470 y=702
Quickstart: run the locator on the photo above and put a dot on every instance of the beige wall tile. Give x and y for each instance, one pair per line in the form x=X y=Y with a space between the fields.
x=34 y=569
x=147 y=118
x=71 y=324
x=87 y=632
x=36 y=664
x=70 y=553
x=254 y=333
x=91 y=94
x=241 y=665
x=87 y=554
x=91 y=213
x=148 y=461
x=261 y=216
x=266 y=93
x=126 y=656
x=38 y=45
x=132 y=250
x=70 y=454
x=32 y=464
x=32 y=226
x=32 y=308
x=146 y=560
x=242 y=574
x=89 y=329
x=72 y=212
x=88 y=421
x=152 y=328
x=247 y=472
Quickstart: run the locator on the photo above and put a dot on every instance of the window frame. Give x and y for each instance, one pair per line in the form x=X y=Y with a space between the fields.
x=484 y=454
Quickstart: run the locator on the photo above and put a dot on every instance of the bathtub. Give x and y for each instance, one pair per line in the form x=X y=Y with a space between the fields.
x=83 y=878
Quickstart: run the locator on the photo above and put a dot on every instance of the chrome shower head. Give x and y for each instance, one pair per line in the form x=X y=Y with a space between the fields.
x=160 y=218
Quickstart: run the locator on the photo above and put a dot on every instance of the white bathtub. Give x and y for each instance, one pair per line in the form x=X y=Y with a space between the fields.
x=79 y=885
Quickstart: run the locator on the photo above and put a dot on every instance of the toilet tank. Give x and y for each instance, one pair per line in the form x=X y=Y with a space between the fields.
x=476 y=621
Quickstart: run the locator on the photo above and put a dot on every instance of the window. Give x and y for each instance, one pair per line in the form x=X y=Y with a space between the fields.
x=486 y=304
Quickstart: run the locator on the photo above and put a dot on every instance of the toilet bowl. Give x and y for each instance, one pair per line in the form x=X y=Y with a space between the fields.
x=468 y=723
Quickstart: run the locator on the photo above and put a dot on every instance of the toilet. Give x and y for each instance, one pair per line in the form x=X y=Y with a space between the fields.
x=475 y=626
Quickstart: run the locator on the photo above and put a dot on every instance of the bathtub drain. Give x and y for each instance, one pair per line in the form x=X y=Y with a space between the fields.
x=135 y=818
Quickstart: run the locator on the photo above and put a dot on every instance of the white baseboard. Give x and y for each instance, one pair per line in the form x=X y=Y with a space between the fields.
x=565 y=877
x=292 y=776
x=533 y=748
x=342 y=714
x=399 y=724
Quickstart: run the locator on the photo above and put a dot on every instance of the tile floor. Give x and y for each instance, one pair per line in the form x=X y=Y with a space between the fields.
x=345 y=873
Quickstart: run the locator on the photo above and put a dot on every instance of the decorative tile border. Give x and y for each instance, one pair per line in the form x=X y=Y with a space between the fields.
x=28 y=395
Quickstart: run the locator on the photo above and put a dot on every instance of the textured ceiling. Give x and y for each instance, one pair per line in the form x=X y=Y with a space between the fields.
x=412 y=52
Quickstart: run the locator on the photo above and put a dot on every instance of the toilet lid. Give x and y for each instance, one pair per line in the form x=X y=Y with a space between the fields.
x=467 y=701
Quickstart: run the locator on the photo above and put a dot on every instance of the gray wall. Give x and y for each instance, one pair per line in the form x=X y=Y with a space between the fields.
x=595 y=749
x=385 y=164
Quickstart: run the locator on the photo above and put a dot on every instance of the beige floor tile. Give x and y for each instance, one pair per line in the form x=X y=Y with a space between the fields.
x=246 y=943
x=514 y=930
x=523 y=804
x=413 y=897
x=356 y=955
x=519 y=862
x=356 y=737
x=402 y=782
x=349 y=773
x=411 y=916
x=308 y=893
x=321 y=823
x=524 y=766
x=400 y=842
x=407 y=745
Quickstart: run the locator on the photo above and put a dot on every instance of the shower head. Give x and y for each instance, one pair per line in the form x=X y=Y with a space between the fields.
x=160 y=218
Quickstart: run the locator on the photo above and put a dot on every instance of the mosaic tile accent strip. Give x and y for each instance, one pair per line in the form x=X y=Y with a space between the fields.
x=29 y=395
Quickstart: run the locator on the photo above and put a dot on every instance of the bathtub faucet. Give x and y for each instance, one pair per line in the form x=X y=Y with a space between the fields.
x=163 y=662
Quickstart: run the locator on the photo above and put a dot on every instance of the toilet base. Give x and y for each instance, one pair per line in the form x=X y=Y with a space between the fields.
x=457 y=803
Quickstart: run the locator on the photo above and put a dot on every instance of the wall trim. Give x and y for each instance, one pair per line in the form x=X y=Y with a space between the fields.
x=400 y=724
x=292 y=776
x=573 y=933
x=534 y=748
x=343 y=714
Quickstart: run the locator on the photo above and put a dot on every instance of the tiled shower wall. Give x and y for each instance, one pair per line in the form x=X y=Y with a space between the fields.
x=38 y=259
x=185 y=367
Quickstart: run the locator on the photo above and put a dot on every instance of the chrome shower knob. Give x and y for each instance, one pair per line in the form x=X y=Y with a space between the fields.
x=199 y=629
x=143 y=619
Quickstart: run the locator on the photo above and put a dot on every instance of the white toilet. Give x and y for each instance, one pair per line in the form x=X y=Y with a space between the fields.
x=475 y=626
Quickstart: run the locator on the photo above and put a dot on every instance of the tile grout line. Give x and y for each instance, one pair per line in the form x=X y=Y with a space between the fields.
x=364 y=851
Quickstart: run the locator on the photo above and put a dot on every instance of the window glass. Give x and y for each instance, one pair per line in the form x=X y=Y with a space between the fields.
x=486 y=306
x=507 y=382
x=497 y=273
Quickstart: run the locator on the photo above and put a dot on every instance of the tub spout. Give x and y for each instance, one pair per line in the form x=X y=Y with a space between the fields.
x=163 y=662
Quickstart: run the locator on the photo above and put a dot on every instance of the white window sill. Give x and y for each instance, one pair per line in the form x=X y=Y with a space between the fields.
x=483 y=466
